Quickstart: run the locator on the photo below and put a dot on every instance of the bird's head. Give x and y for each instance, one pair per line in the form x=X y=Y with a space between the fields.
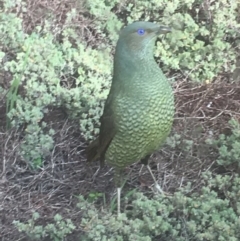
x=139 y=37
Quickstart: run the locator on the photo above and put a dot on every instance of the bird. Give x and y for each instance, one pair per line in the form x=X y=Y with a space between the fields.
x=138 y=112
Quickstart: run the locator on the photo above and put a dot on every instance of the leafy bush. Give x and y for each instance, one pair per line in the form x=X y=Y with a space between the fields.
x=228 y=146
x=55 y=231
x=45 y=70
x=201 y=43
x=211 y=213
x=176 y=141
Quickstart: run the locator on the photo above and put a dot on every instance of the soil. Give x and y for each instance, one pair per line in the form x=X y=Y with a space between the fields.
x=201 y=112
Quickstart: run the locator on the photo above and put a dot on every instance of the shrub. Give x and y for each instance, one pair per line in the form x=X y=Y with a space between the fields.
x=210 y=214
x=43 y=73
x=228 y=146
x=56 y=231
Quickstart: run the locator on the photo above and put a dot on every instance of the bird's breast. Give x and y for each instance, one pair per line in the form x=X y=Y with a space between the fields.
x=143 y=117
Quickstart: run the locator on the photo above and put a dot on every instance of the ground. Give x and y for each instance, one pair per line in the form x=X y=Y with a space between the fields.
x=201 y=111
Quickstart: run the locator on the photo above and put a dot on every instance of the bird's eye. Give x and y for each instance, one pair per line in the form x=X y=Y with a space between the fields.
x=141 y=31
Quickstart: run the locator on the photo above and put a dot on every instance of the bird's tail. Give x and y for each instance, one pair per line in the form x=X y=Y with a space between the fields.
x=92 y=151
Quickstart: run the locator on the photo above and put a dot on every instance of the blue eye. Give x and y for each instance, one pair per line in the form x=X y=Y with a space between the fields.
x=141 y=31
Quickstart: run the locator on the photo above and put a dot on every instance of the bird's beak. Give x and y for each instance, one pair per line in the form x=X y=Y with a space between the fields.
x=163 y=30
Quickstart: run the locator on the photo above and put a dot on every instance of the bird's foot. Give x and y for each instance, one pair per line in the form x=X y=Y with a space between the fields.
x=158 y=190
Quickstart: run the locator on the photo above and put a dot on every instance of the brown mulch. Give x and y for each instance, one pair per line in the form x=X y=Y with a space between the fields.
x=201 y=112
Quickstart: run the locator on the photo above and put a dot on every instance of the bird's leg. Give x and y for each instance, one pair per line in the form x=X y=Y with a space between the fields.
x=140 y=171
x=118 y=183
x=144 y=161
x=118 y=200
x=154 y=179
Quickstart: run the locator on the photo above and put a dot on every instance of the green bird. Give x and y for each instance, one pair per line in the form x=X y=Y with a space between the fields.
x=139 y=109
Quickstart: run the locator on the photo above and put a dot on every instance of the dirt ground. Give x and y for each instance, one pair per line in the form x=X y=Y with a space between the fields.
x=201 y=111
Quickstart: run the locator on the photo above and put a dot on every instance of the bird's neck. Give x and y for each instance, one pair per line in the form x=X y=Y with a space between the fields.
x=129 y=60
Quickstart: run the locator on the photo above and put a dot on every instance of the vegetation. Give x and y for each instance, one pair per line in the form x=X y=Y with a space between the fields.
x=210 y=214
x=55 y=72
x=56 y=231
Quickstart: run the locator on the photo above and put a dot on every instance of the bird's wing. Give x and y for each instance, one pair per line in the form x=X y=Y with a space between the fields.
x=98 y=147
x=107 y=129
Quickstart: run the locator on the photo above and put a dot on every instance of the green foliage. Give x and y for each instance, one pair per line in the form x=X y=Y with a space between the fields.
x=205 y=215
x=12 y=93
x=37 y=143
x=57 y=66
x=198 y=45
x=106 y=21
x=228 y=146
x=177 y=141
x=56 y=231
x=94 y=196
x=210 y=213
x=46 y=70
